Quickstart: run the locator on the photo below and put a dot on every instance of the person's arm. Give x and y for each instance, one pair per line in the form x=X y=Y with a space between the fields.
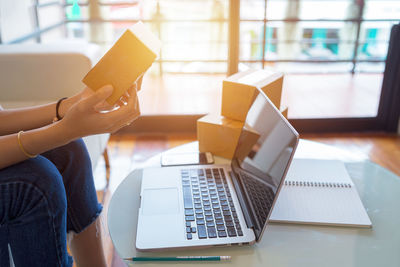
x=81 y=120
x=14 y=120
x=34 y=142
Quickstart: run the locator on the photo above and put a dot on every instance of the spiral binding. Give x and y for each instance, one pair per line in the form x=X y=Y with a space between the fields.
x=317 y=184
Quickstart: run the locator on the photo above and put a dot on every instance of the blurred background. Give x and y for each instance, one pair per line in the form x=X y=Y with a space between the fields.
x=333 y=52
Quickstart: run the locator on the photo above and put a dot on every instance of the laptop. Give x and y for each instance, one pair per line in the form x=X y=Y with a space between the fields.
x=218 y=205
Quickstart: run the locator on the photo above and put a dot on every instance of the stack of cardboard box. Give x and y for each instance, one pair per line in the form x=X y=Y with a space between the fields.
x=219 y=133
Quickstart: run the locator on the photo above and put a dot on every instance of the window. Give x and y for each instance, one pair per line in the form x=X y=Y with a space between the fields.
x=332 y=52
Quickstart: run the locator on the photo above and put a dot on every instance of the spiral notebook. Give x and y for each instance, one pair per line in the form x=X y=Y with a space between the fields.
x=319 y=192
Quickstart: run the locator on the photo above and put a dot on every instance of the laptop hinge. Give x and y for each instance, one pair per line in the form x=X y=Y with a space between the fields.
x=242 y=200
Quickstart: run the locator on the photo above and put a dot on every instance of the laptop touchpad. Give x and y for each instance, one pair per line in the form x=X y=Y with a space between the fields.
x=160 y=201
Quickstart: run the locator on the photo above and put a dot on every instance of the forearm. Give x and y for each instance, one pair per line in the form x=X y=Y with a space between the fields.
x=34 y=142
x=15 y=120
x=81 y=119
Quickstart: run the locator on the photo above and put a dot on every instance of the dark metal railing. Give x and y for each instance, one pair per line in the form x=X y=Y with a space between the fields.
x=354 y=59
x=359 y=21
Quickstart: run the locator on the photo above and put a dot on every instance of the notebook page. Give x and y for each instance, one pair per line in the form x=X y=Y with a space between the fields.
x=336 y=204
x=318 y=171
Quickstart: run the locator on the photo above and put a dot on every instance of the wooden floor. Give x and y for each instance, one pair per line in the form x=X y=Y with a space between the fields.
x=130 y=151
x=383 y=149
x=307 y=96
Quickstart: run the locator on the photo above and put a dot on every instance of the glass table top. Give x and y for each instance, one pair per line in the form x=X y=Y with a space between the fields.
x=291 y=244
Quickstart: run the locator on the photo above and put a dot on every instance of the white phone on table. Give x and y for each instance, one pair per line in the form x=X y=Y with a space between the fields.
x=193 y=158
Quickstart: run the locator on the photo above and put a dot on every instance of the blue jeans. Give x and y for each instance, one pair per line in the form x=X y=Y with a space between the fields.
x=42 y=199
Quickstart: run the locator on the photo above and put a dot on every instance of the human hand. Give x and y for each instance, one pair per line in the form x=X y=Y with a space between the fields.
x=83 y=118
x=104 y=106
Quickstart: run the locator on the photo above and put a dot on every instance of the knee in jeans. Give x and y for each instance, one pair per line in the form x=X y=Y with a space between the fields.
x=48 y=180
x=77 y=152
x=32 y=183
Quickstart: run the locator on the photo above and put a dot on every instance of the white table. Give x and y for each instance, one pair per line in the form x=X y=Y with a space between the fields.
x=289 y=244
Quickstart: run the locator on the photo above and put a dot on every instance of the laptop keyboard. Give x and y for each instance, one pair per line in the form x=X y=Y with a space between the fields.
x=262 y=196
x=209 y=209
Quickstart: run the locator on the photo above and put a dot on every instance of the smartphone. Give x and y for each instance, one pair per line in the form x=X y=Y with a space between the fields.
x=195 y=158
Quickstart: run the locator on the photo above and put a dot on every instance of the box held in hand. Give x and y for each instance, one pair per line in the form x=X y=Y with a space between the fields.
x=125 y=62
x=218 y=135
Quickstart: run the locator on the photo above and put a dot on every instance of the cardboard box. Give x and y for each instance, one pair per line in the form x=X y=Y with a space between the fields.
x=285 y=112
x=125 y=62
x=237 y=99
x=247 y=140
x=218 y=135
x=239 y=91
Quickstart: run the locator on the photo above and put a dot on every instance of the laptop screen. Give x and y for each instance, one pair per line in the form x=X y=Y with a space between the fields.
x=264 y=151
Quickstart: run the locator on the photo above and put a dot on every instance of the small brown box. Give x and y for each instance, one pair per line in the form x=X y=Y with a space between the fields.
x=218 y=135
x=125 y=62
x=285 y=112
x=239 y=91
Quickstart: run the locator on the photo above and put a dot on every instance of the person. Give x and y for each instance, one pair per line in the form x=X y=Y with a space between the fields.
x=46 y=185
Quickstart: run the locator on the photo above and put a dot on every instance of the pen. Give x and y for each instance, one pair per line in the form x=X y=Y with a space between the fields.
x=181 y=258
